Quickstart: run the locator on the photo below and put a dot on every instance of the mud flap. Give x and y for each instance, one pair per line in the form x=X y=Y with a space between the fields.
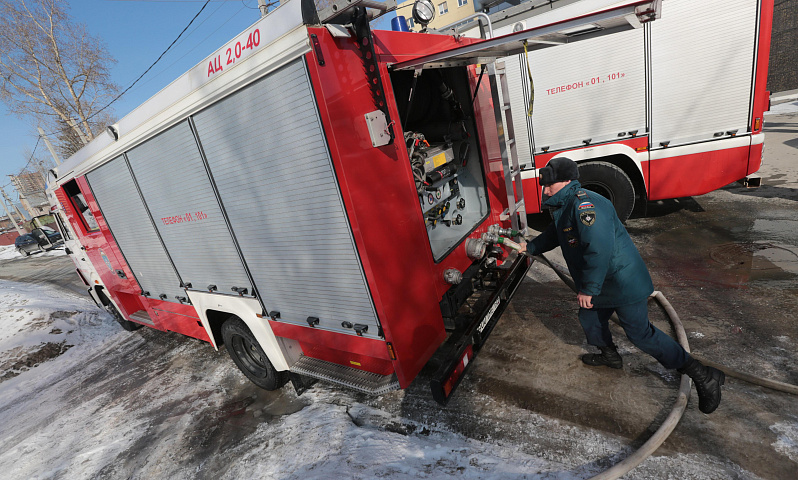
x=464 y=344
x=301 y=383
x=96 y=298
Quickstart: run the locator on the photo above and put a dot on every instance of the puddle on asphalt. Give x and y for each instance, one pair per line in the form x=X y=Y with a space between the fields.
x=779 y=229
x=757 y=260
x=735 y=253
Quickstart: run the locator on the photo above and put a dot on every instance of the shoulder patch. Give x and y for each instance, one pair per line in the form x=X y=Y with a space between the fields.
x=582 y=195
x=585 y=205
x=588 y=217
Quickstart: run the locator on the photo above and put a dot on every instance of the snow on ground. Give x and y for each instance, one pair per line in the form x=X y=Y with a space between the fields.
x=78 y=399
x=8 y=252
x=783 y=109
x=787 y=442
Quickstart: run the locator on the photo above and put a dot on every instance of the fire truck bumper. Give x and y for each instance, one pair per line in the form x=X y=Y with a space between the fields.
x=462 y=346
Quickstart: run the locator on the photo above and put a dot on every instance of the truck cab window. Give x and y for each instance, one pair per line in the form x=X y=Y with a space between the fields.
x=79 y=203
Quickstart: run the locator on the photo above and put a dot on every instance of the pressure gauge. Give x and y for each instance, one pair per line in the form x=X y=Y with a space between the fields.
x=423 y=12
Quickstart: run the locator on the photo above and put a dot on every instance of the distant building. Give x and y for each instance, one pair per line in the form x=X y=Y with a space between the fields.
x=453 y=13
x=783 y=70
x=447 y=12
x=31 y=189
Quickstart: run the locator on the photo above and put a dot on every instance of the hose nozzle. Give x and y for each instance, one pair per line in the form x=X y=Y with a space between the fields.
x=505 y=232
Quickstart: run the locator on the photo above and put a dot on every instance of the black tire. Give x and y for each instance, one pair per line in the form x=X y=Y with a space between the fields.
x=126 y=324
x=249 y=357
x=612 y=183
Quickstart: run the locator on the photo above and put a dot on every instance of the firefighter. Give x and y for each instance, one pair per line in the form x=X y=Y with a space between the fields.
x=610 y=277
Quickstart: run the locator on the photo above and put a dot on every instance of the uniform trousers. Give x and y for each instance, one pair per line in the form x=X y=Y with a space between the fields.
x=638 y=329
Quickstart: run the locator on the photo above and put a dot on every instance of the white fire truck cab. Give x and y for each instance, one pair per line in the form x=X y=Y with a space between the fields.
x=326 y=201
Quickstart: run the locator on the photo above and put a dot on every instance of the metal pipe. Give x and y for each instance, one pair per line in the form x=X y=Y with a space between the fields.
x=480 y=16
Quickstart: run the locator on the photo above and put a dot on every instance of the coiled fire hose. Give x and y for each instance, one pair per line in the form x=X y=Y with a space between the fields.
x=679 y=406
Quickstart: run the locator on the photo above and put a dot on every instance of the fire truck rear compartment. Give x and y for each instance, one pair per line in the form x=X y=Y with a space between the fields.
x=439 y=131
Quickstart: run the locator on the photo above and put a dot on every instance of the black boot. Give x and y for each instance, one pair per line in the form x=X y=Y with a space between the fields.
x=707 y=383
x=609 y=356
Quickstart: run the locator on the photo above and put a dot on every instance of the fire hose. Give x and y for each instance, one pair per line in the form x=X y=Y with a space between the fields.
x=685 y=386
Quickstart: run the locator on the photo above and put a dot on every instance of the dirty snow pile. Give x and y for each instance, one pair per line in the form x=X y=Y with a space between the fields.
x=39 y=324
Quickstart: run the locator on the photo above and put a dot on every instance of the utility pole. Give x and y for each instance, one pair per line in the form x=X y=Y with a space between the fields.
x=264 y=9
x=11 y=217
x=49 y=146
x=76 y=129
x=19 y=212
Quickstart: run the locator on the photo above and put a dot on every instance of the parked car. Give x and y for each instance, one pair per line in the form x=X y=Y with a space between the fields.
x=40 y=239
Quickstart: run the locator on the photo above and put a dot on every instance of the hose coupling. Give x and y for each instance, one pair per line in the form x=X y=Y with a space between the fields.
x=475 y=248
x=490 y=238
x=504 y=232
x=453 y=276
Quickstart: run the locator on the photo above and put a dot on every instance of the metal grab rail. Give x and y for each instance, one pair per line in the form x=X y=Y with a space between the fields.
x=481 y=16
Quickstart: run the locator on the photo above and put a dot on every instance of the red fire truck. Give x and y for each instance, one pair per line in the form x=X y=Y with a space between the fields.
x=670 y=110
x=326 y=201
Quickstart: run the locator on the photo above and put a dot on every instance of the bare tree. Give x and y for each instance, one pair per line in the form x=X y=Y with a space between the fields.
x=53 y=70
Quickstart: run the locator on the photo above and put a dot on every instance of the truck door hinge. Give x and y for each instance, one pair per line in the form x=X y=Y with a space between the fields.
x=365 y=44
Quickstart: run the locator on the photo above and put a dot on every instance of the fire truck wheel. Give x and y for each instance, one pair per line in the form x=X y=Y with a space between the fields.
x=126 y=324
x=610 y=182
x=249 y=357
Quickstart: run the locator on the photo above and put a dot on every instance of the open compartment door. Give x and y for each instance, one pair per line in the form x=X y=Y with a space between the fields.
x=606 y=17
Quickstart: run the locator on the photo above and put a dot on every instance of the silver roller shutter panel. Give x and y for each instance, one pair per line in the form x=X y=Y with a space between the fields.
x=174 y=182
x=269 y=157
x=702 y=67
x=130 y=224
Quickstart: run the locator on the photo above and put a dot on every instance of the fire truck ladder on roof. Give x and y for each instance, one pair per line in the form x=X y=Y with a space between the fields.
x=516 y=210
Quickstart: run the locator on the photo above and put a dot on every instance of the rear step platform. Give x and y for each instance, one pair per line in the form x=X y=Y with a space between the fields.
x=362 y=381
x=142 y=317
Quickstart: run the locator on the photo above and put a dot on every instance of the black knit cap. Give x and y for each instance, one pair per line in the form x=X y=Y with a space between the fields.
x=558 y=169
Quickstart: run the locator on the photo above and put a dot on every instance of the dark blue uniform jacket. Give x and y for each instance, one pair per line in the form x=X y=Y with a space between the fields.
x=601 y=257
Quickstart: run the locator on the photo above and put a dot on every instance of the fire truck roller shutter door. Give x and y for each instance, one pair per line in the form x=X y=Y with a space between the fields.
x=267 y=152
x=701 y=70
x=596 y=91
x=177 y=189
x=127 y=218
